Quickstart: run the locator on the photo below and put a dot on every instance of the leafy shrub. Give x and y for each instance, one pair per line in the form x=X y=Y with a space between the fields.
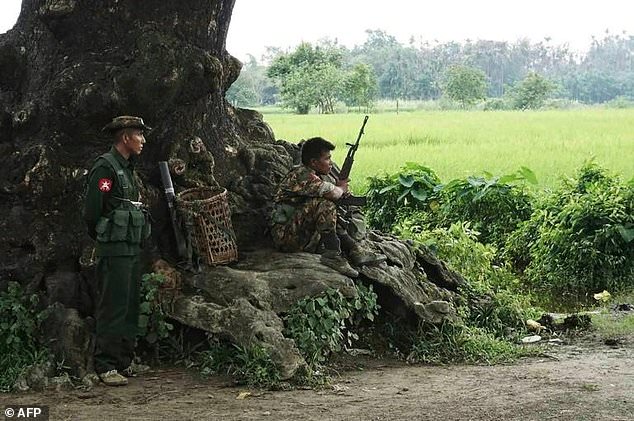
x=493 y=300
x=19 y=324
x=454 y=343
x=494 y=205
x=411 y=189
x=620 y=102
x=580 y=238
x=321 y=325
x=153 y=324
x=249 y=365
x=496 y=104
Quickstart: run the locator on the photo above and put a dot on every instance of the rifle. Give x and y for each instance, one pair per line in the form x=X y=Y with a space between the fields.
x=166 y=179
x=344 y=172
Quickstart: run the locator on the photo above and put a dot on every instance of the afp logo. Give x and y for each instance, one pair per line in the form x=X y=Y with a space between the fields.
x=19 y=412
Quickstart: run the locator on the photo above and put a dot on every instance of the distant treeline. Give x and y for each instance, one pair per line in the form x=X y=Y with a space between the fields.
x=383 y=68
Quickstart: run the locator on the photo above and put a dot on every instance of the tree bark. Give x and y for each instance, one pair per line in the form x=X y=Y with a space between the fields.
x=67 y=68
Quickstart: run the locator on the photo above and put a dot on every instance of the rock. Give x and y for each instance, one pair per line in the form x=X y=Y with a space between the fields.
x=36 y=377
x=243 y=301
x=531 y=339
x=62 y=383
x=70 y=339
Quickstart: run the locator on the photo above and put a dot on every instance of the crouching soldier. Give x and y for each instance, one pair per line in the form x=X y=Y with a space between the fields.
x=306 y=218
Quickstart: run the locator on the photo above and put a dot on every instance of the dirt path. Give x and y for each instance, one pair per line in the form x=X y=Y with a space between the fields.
x=579 y=382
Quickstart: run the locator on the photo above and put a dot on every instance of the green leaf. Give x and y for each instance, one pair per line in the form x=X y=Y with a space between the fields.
x=145 y=308
x=406 y=180
x=509 y=178
x=419 y=194
x=626 y=233
x=529 y=175
x=388 y=188
x=403 y=195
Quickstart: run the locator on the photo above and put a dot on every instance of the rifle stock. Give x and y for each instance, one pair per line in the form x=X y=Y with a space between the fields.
x=166 y=179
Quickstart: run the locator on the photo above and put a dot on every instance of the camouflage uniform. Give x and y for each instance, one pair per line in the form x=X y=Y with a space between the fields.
x=301 y=213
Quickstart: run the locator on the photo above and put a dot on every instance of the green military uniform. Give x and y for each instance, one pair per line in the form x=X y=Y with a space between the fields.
x=119 y=226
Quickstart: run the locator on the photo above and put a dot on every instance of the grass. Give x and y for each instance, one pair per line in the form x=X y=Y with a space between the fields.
x=611 y=325
x=552 y=143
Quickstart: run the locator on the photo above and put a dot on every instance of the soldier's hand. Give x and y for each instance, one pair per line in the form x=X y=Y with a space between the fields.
x=343 y=184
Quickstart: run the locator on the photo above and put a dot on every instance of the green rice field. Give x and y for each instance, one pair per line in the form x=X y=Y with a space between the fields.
x=455 y=144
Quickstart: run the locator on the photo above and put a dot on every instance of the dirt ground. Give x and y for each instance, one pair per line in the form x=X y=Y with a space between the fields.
x=581 y=381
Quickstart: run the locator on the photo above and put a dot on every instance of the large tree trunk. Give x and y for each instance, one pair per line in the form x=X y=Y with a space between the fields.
x=67 y=68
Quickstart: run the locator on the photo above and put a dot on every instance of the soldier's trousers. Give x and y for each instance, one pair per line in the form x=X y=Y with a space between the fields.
x=304 y=230
x=117 y=311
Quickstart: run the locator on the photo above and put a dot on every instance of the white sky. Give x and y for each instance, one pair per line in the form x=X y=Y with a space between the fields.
x=256 y=24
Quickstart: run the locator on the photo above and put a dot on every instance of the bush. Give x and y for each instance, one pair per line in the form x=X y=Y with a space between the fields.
x=620 y=102
x=153 y=324
x=322 y=325
x=451 y=343
x=249 y=365
x=404 y=192
x=496 y=104
x=20 y=321
x=580 y=238
x=494 y=206
x=493 y=298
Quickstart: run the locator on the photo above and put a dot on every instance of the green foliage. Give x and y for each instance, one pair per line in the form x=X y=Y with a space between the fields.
x=252 y=87
x=453 y=343
x=20 y=321
x=320 y=326
x=493 y=205
x=249 y=365
x=360 y=86
x=465 y=84
x=531 y=92
x=494 y=301
x=153 y=325
x=580 y=237
x=409 y=190
x=309 y=76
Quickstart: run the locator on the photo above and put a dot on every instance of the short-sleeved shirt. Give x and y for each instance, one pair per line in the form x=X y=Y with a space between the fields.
x=300 y=184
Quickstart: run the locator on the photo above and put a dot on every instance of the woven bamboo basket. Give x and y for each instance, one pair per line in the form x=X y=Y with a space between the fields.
x=213 y=237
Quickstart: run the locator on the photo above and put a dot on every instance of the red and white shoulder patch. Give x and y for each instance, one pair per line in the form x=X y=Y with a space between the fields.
x=104 y=185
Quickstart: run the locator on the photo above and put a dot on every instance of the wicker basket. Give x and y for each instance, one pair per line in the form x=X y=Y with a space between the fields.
x=208 y=212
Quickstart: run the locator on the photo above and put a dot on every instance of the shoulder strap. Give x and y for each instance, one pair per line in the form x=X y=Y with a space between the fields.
x=121 y=175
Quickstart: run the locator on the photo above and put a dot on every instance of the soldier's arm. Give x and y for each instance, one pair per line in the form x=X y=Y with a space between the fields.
x=96 y=196
x=339 y=190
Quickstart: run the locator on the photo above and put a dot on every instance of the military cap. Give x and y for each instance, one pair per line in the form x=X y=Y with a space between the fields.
x=124 y=122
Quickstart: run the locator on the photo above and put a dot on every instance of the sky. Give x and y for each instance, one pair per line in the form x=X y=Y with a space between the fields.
x=256 y=24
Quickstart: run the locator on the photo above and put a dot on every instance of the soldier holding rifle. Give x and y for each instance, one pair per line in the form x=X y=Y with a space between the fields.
x=310 y=212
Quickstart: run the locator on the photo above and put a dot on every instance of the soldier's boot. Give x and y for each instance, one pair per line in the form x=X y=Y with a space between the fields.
x=361 y=256
x=135 y=369
x=334 y=260
x=113 y=378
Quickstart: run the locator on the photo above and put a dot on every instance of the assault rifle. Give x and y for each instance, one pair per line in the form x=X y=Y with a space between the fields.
x=181 y=242
x=344 y=172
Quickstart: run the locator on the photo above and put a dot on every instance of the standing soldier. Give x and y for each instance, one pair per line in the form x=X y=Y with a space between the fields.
x=305 y=215
x=116 y=221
